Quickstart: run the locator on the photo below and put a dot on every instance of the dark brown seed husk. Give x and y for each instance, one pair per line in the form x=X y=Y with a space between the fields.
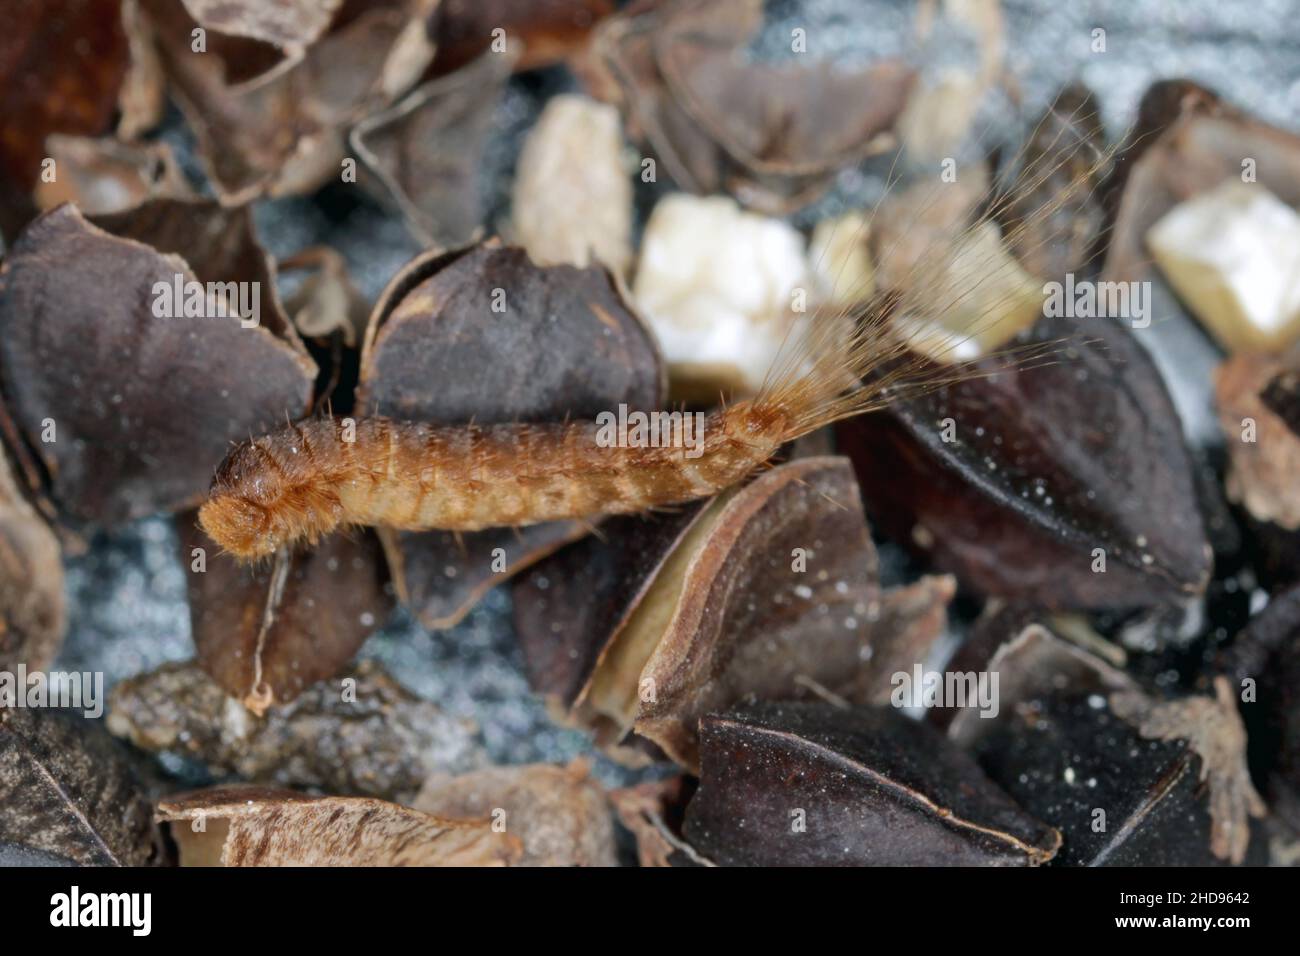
x=718 y=120
x=1069 y=744
x=1031 y=661
x=426 y=152
x=275 y=123
x=1030 y=495
x=561 y=341
x=266 y=633
x=1055 y=217
x=775 y=603
x=70 y=789
x=774 y=121
x=791 y=784
x=443 y=575
x=570 y=607
x=219 y=243
x=131 y=421
x=769 y=591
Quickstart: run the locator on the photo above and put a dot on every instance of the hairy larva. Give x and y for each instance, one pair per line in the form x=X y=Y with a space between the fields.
x=305 y=480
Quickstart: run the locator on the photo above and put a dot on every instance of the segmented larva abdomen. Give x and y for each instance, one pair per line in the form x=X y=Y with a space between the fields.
x=305 y=480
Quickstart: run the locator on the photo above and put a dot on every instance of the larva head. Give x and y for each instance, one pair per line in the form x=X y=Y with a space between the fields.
x=254 y=508
x=238 y=525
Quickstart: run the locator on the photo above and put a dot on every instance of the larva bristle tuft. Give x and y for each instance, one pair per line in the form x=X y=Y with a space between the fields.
x=850 y=362
x=273 y=491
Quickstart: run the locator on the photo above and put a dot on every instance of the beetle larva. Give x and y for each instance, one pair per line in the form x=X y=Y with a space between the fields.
x=307 y=479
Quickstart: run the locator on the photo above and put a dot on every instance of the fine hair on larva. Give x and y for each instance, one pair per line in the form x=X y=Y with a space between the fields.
x=309 y=478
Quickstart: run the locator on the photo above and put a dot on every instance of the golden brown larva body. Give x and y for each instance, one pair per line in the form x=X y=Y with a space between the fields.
x=307 y=479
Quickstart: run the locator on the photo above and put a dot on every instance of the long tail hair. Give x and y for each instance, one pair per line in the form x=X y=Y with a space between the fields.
x=846 y=362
